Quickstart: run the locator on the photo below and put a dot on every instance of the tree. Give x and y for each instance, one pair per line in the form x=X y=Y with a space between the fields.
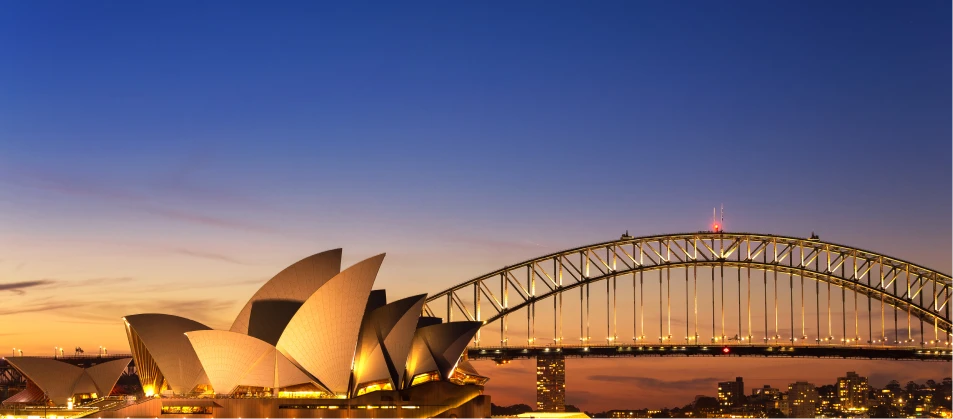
x=911 y=388
x=513 y=410
x=827 y=390
x=884 y=411
x=706 y=402
x=775 y=413
x=894 y=386
x=676 y=412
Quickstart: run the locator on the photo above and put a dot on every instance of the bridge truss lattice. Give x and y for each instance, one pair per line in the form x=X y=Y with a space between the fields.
x=899 y=302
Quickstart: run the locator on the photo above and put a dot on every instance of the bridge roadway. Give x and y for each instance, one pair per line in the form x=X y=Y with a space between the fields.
x=911 y=353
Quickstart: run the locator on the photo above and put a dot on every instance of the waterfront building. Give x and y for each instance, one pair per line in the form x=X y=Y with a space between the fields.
x=734 y=415
x=551 y=383
x=782 y=403
x=731 y=393
x=314 y=341
x=631 y=414
x=803 y=400
x=829 y=400
x=761 y=400
x=852 y=392
x=766 y=392
x=554 y=415
x=63 y=384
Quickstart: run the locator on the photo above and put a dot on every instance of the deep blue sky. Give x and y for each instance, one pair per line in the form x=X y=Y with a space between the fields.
x=221 y=141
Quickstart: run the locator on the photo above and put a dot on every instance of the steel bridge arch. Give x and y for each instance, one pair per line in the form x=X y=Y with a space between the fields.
x=922 y=292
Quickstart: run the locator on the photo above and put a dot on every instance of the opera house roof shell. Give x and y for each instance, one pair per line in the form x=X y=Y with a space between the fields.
x=312 y=329
x=58 y=381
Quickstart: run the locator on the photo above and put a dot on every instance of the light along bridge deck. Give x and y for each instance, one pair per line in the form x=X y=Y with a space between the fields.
x=504 y=354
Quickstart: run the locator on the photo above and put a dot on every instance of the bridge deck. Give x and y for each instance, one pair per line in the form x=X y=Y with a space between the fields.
x=804 y=351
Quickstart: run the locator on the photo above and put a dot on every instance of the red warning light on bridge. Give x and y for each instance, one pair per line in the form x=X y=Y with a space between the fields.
x=725 y=350
x=715 y=222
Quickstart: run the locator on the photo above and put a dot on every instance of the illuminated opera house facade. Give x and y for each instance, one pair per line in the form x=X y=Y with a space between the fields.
x=314 y=341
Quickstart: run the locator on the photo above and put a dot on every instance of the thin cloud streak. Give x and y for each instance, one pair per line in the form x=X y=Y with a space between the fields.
x=207 y=311
x=193 y=285
x=209 y=255
x=88 y=189
x=19 y=288
x=654 y=383
x=180 y=181
x=206 y=220
x=94 y=282
x=37 y=308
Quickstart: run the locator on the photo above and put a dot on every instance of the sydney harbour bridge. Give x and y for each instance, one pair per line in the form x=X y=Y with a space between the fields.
x=710 y=293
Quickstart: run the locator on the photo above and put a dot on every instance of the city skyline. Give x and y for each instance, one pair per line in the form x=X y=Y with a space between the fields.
x=806 y=399
x=152 y=153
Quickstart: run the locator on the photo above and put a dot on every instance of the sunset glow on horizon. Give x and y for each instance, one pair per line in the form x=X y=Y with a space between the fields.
x=173 y=157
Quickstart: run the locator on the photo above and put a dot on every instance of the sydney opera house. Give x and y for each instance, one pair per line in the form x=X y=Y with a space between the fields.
x=314 y=341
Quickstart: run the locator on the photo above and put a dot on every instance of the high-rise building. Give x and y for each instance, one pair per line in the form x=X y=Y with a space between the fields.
x=828 y=396
x=803 y=400
x=852 y=392
x=761 y=400
x=551 y=383
x=766 y=391
x=731 y=393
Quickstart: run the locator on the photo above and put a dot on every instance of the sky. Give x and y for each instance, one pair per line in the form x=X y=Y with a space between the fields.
x=172 y=156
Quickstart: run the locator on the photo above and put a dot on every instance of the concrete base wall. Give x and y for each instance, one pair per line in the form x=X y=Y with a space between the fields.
x=436 y=399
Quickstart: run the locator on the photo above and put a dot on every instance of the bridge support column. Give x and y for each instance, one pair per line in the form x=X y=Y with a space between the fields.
x=551 y=383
